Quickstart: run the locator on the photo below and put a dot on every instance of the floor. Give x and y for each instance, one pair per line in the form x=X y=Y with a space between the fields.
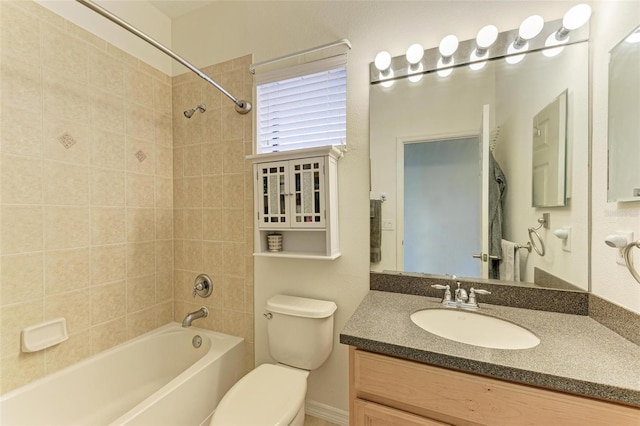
x=314 y=421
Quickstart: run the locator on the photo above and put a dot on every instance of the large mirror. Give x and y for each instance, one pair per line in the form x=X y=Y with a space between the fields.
x=453 y=160
x=624 y=120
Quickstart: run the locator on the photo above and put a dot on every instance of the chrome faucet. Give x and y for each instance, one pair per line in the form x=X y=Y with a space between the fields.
x=461 y=299
x=200 y=313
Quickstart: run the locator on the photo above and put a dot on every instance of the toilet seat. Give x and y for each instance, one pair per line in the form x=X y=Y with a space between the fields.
x=270 y=395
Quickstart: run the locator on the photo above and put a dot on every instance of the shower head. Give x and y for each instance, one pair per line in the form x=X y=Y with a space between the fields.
x=202 y=108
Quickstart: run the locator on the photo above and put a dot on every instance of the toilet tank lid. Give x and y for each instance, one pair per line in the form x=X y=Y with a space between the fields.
x=301 y=306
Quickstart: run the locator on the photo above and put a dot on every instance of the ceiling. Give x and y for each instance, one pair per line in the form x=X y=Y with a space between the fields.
x=176 y=8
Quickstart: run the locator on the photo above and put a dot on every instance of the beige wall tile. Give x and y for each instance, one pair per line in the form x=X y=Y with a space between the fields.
x=18 y=370
x=164 y=256
x=233 y=160
x=212 y=228
x=192 y=188
x=20 y=85
x=164 y=286
x=69 y=352
x=139 y=121
x=107 y=149
x=192 y=255
x=164 y=161
x=107 y=112
x=109 y=334
x=212 y=195
x=21 y=131
x=108 y=302
x=164 y=224
x=233 y=191
x=107 y=187
x=234 y=293
x=233 y=259
x=163 y=313
x=234 y=323
x=140 y=156
x=164 y=192
x=108 y=263
x=141 y=224
x=65 y=98
x=64 y=55
x=162 y=97
x=192 y=224
x=13 y=318
x=233 y=225
x=141 y=259
x=141 y=322
x=163 y=130
x=22 y=277
x=212 y=159
x=193 y=160
x=178 y=159
x=212 y=257
x=21 y=179
x=65 y=184
x=66 y=270
x=141 y=293
x=232 y=124
x=108 y=225
x=73 y=306
x=213 y=131
x=138 y=86
x=66 y=227
x=104 y=73
x=66 y=140
x=178 y=254
x=140 y=190
x=21 y=229
x=18 y=38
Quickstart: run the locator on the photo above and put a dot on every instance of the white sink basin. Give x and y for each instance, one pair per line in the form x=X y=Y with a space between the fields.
x=474 y=329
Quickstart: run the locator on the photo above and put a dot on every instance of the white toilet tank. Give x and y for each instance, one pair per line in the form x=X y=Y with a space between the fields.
x=300 y=330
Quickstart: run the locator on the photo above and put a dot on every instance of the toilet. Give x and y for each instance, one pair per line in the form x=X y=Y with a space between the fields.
x=300 y=335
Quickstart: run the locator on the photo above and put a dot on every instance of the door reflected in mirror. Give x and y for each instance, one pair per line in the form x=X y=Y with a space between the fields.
x=624 y=120
x=452 y=108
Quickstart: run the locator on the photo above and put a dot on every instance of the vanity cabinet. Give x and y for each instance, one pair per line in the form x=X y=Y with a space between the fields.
x=296 y=195
x=390 y=391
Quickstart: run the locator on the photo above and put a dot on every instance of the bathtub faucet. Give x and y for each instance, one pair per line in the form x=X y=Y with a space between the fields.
x=200 y=313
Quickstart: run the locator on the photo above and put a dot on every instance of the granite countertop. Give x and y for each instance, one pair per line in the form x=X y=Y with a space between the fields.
x=576 y=354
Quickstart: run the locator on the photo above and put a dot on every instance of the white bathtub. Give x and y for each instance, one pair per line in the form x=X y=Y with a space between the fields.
x=158 y=378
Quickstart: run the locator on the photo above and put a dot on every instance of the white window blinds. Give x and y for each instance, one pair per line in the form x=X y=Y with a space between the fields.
x=302 y=107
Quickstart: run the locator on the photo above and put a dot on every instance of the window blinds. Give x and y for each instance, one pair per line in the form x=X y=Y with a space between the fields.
x=302 y=107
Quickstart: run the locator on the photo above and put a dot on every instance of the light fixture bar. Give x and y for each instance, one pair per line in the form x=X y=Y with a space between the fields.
x=461 y=57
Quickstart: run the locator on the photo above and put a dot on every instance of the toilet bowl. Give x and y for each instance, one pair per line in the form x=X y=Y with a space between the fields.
x=300 y=335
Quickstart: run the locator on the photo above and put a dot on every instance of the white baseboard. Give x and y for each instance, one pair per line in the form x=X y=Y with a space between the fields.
x=327 y=413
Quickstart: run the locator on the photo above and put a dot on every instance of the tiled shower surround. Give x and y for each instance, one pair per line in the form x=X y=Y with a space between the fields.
x=111 y=201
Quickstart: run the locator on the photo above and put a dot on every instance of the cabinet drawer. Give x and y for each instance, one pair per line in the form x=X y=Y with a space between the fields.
x=371 y=414
x=466 y=399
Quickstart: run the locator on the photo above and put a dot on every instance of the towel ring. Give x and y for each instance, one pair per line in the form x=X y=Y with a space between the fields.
x=626 y=254
x=540 y=250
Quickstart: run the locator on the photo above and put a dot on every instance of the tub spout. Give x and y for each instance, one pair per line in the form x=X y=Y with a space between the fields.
x=200 y=313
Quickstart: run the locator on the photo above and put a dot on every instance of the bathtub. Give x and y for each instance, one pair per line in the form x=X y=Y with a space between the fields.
x=159 y=378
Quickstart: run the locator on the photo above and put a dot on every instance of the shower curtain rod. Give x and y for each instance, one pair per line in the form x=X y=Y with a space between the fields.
x=242 y=107
x=252 y=67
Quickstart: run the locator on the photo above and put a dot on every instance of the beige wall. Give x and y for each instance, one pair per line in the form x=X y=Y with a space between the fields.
x=86 y=229
x=213 y=200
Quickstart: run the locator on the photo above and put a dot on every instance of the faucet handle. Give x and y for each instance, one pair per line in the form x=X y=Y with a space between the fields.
x=447 y=291
x=474 y=291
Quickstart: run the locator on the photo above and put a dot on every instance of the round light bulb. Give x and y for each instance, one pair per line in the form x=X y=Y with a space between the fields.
x=487 y=36
x=414 y=54
x=415 y=73
x=531 y=27
x=576 y=17
x=448 y=45
x=383 y=60
x=477 y=65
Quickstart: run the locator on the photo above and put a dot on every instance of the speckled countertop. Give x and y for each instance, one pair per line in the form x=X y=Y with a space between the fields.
x=576 y=353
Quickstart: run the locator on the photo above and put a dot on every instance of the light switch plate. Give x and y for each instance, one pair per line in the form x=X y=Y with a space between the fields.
x=387 y=225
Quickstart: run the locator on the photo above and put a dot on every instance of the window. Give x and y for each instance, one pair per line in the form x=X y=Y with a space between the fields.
x=302 y=107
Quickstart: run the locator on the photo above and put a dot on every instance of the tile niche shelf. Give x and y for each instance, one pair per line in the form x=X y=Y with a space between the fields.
x=296 y=195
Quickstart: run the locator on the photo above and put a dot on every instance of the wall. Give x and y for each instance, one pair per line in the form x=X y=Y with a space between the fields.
x=612 y=22
x=86 y=191
x=213 y=200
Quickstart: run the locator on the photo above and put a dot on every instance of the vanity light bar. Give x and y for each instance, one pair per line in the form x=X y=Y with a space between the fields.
x=400 y=68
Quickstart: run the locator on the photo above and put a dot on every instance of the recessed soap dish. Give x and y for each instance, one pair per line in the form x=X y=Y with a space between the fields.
x=44 y=335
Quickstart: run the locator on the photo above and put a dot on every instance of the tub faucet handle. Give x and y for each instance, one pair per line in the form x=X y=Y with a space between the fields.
x=202 y=286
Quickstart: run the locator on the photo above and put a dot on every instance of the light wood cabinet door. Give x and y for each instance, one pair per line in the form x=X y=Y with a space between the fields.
x=372 y=414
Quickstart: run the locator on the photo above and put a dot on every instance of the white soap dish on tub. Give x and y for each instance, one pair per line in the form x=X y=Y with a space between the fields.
x=44 y=335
